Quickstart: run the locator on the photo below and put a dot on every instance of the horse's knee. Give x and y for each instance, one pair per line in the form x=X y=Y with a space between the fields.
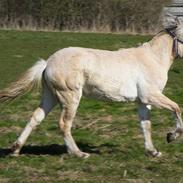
x=146 y=124
x=37 y=117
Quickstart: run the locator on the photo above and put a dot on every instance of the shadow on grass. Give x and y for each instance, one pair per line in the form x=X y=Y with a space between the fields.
x=52 y=149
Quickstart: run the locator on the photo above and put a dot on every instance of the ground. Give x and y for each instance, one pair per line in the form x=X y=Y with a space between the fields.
x=109 y=131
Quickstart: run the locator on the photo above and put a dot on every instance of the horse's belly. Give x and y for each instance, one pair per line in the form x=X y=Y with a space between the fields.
x=115 y=93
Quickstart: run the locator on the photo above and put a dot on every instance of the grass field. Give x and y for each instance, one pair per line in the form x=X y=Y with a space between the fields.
x=113 y=137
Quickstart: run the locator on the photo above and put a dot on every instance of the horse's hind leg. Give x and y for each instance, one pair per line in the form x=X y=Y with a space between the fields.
x=69 y=101
x=48 y=101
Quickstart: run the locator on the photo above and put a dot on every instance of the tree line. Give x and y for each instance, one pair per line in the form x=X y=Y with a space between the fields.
x=86 y=15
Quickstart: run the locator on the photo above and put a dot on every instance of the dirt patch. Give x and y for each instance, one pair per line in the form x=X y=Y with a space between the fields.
x=15 y=129
x=71 y=175
x=4 y=180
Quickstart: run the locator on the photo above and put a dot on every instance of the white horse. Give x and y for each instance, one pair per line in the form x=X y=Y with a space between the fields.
x=124 y=75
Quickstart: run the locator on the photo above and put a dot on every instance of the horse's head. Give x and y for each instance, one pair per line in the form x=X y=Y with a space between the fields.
x=173 y=25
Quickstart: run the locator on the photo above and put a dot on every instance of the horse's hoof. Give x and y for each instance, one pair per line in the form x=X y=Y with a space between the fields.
x=15 y=149
x=157 y=154
x=170 y=137
x=154 y=153
x=79 y=154
x=15 y=146
x=14 y=154
x=82 y=155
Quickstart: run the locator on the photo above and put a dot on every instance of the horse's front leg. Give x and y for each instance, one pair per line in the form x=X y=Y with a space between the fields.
x=146 y=128
x=160 y=100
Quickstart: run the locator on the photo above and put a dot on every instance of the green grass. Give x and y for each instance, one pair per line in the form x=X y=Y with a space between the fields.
x=114 y=140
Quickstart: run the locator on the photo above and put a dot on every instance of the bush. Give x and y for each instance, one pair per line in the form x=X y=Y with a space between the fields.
x=77 y=15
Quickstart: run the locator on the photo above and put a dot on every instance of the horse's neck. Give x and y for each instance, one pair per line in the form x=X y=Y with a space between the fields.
x=162 y=47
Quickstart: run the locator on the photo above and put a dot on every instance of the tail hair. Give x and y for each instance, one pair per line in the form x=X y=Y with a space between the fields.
x=30 y=79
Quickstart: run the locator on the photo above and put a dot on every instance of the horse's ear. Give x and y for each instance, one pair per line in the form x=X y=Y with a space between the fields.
x=170 y=21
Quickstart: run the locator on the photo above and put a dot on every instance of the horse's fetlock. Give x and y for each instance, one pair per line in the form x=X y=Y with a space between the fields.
x=179 y=131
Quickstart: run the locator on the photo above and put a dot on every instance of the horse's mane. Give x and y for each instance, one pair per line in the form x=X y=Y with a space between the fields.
x=159 y=34
x=151 y=41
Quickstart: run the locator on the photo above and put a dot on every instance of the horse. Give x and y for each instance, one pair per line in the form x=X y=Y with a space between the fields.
x=134 y=74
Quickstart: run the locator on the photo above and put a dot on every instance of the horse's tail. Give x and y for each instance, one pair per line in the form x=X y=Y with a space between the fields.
x=29 y=80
